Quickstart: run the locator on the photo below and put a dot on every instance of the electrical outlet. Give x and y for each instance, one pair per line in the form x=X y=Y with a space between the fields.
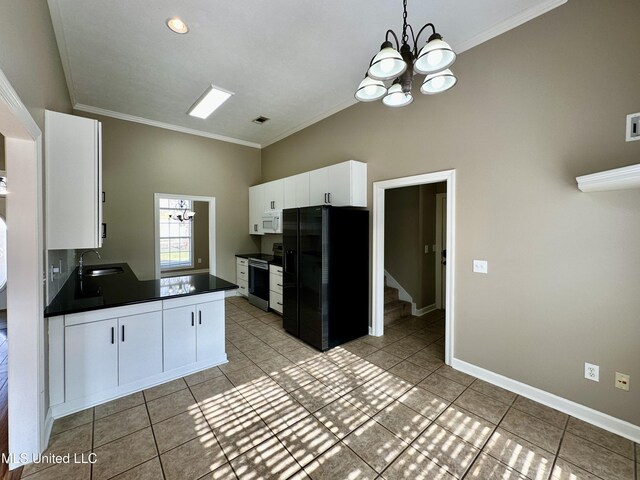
x=426 y=249
x=622 y=381
x=480 y=266
x=591 y=372
x=633 y=127
x=199 y=260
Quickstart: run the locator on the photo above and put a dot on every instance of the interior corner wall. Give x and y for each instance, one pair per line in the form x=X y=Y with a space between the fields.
x=402 y=236
x=533 y=108
x=140 y=160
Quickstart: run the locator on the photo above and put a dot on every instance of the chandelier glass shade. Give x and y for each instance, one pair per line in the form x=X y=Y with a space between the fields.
x=391 y=70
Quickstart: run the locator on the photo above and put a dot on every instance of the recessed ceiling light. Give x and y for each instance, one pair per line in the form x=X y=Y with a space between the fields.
x=176 y=25
x=210 y=100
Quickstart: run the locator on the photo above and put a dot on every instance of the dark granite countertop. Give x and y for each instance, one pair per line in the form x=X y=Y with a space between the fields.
x=262 y=256
x=94 y=293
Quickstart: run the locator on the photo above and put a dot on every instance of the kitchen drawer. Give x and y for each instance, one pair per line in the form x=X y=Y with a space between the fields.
x=275 y=270
x=275 y=301
x=275 y=283
x=242 y=262
x=242 y=273
x=243 y=288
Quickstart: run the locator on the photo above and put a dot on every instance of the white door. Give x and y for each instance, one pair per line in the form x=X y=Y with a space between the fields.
x=179 y=332
x=91 y=358
x=273 y=195
x=441 y=250
x=296 y=191
x=210 y=330
x=318 y=186
x=339 y=188
x=256 y=199
x=140 y=346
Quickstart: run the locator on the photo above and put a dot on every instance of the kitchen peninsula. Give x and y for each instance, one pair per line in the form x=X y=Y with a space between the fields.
x=111 y=334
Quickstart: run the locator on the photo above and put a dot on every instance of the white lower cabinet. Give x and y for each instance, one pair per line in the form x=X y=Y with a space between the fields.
x=192 y=333
x=139 y=347
x=275 y=288
x=91 y=358
x=210 y=322
x=104 y=354
x=242 y=276
x=179 y=326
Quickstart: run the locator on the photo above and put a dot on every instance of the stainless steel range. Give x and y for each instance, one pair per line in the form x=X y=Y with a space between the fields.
x=259 y=277
x=259 y=283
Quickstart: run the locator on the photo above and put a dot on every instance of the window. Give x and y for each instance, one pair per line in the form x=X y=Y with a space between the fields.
x=176 y=244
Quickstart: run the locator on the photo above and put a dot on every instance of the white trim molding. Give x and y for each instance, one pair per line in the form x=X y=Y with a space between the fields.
x=28 y=432
x=509 y=24
x=405 y=297
x=577 y=410
x=377 y=290
x=167 y=126
x=212 y=230
x=616 y=179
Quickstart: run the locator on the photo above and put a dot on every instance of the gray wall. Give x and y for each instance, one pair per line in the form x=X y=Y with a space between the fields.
x=534 y=108
x=140 y=160
x=30 y=60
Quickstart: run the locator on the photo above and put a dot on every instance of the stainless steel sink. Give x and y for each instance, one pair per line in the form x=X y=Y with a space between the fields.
x=99 y=272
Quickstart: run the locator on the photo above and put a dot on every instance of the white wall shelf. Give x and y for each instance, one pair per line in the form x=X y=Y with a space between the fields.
x=616 y=179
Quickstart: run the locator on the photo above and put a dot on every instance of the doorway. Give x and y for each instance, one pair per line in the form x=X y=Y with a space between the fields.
x=185 y=236
x=27 y=416
x=379 y=189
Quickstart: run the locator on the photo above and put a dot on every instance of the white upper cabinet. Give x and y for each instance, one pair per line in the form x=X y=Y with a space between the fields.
x=273 y=195
x=340 y=185
x=73 y=175
x=296 y=191
x=256 y=203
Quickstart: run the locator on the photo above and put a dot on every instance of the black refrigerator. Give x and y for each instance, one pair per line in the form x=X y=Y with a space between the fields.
x=325 y=274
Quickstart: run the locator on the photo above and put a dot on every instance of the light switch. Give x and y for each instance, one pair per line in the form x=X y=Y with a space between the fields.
x=426 y=249
x=480 y=266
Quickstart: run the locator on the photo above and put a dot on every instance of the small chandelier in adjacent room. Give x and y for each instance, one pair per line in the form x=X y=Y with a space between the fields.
x=186 y=215
x=391 y=71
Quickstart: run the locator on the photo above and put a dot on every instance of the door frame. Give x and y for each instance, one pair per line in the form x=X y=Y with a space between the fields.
x=212 y=228
x=377 y=297
x=439 y=197
x=29 y=425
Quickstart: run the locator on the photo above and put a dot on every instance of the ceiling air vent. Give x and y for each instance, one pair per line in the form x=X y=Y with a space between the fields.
x=260 y=120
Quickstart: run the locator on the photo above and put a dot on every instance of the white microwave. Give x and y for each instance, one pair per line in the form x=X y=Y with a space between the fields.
x=272 y=222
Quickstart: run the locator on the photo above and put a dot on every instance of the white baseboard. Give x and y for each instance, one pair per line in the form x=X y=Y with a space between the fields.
x=418 y=312
x=587 y=414
x=404 y=296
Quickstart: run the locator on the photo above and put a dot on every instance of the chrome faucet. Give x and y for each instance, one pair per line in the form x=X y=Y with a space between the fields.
x=81 y=263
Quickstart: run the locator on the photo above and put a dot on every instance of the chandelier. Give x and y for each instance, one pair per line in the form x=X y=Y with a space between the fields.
x=186 y=215
x=391 y=70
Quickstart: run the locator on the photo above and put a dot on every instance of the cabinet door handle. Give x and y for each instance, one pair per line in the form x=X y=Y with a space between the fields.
x=279 y=284
x=329 y=195
x=113 y=335
x=193 y=321
x=200 y=317
x=279 y=303
x=255 y=227
x=242 y=273
x=123 y=333
x=325 y=198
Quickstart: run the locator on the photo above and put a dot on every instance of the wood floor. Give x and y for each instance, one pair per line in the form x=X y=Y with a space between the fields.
x=4 y=385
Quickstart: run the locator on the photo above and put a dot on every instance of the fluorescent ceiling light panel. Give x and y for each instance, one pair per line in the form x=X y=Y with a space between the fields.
x=209 y=102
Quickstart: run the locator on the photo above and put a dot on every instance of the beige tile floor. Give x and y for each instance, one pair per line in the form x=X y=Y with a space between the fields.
x=382 y=407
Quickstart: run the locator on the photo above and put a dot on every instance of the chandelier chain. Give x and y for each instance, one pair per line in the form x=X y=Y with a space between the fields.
x=405 y=37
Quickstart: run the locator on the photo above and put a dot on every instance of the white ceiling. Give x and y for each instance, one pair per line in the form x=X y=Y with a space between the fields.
x=295 y=62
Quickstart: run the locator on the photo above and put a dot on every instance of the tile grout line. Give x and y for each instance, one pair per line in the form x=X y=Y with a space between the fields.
x=153 y=433
x=213 y=432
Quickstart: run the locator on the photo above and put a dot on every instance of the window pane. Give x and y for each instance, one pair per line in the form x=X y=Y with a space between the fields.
x=185 y=229
x=164 y=216
x=164 y=203
x=164 y=231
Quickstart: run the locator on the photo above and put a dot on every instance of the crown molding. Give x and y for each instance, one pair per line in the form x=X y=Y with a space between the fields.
x=166 y=126
x=509 y=24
